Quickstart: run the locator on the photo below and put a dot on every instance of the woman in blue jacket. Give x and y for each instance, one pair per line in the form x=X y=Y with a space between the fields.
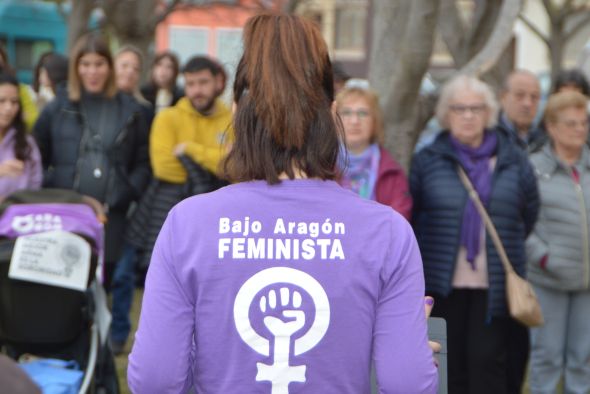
x=462 y=268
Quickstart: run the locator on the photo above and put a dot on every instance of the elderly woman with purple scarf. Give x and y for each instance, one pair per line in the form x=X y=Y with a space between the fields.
x=367 y=168
x=462 y=268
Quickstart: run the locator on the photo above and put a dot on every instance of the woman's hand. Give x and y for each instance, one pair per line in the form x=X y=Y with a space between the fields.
x=179 y=149
x=12 y=167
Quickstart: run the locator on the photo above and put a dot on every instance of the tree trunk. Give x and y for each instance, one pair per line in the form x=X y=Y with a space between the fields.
x=403 y=39
x=556 y=49
x=78 y=20
x=500 y=37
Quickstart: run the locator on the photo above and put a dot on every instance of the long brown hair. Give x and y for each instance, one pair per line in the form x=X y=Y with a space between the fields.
x=137 y=52
x=90 y=43
x=22 y=149
x=175 y=69
x=283 y=92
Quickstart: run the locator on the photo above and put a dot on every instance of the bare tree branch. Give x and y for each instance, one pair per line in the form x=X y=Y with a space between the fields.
x=167 y=11
x=61 y=10
x=479 y=14
x=80 y=12
x=398 y=65
x=583 y=22
x=482 y=25
x=575 y=9
x=451 y=28
x=176 y=5
x=291 y=5
x=534 y=29
x=552 y=13
x=498 y=40
x=567 y=9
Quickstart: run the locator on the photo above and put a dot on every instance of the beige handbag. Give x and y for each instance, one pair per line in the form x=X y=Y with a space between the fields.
x=522 y=300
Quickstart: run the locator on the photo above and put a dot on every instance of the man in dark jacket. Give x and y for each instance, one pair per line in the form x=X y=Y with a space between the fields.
x=520 y=103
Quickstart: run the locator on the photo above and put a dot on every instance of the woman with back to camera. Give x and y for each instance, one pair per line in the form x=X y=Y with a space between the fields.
x=162 y=91
x=283 y=282
x=94 y=139
x=367 y=168
x=558 y=250
x=463 y=271
x=20 y=161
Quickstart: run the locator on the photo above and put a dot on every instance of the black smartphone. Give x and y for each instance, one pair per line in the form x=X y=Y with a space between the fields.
x=437 y=332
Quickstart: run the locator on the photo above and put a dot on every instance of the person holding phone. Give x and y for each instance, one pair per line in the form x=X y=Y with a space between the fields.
x=283 y=281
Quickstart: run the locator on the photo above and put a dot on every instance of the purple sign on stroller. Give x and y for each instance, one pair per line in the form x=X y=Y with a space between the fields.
x=25 y=219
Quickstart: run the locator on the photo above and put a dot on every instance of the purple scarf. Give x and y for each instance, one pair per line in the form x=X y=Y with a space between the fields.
x=360 y=172
x=476 y=162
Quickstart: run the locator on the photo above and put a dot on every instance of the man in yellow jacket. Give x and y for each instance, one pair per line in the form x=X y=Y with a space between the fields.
x=197 y=126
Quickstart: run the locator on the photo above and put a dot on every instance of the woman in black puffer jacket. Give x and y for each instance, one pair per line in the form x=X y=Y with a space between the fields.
x=462 y=268
x=95 y=139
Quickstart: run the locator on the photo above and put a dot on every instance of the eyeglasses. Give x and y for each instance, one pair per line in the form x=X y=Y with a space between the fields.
x=359 y=113
x=572 y=123
x=477 y=109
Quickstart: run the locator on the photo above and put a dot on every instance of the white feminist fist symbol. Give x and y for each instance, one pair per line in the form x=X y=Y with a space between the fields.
x=280 y=373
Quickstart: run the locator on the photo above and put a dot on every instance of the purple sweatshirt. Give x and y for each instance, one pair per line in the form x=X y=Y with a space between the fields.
x=290 y=288
x=33 y=172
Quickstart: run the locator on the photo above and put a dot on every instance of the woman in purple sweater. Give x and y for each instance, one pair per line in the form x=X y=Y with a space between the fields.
x=283 y=282
x=20 y=161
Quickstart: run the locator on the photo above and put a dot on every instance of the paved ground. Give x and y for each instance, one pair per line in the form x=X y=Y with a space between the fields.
x=121 y=360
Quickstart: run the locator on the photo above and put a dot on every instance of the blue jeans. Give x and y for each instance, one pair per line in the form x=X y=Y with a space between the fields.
x=122 y=288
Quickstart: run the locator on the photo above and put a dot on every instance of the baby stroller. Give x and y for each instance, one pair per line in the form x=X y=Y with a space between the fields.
x=49 y=312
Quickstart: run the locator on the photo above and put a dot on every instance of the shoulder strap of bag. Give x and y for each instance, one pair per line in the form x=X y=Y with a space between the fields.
x=486 y=218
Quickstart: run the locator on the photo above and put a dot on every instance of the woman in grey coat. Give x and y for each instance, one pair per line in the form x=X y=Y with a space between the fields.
x=558 y=250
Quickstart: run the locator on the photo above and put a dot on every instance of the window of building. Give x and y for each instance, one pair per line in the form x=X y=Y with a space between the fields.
x=28 y=53
x=350 y=28
x=228 y=52
x=186 y=42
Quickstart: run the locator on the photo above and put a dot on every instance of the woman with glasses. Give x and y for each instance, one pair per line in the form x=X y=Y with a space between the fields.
x=558 y=250
x=462 y=268
x=367 y=168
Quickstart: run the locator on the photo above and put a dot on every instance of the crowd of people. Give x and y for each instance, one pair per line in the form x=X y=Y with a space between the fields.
x=299 y=136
